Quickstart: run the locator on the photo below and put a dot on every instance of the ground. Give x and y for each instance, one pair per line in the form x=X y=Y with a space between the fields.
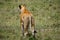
x=47 y=19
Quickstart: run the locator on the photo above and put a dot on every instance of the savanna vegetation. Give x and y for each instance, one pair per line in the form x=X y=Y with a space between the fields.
x=47 y=19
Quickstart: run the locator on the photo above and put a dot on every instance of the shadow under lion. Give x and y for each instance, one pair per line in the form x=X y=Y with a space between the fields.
x=28 y=37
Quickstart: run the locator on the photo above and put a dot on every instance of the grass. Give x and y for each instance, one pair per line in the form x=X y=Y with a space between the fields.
x=46 y=13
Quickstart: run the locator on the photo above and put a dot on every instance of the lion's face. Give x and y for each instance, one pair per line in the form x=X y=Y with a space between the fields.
x=22 y=8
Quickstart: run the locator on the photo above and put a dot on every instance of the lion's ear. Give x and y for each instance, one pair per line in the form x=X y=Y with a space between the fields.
x=24 y=5
x=20 y=6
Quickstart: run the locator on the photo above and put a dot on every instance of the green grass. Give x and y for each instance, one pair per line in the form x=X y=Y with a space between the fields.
x=47 y=19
